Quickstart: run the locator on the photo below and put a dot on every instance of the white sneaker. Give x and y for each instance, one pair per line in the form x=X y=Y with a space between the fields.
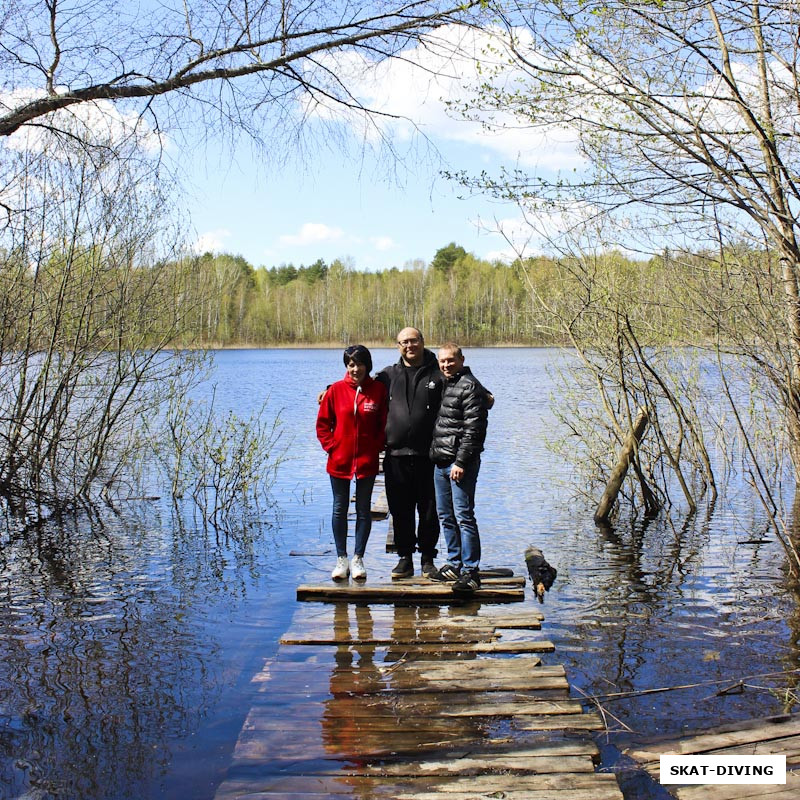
x=357 y=568
x=341 y=570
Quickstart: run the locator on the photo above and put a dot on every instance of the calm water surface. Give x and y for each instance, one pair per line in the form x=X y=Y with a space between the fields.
x=128 y=644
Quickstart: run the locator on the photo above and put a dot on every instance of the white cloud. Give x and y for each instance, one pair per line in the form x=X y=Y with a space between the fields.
x=313 y=233
x=212 y=241
x=423 y=87
x=99 y=123
x=542 y=228
x=383 y=243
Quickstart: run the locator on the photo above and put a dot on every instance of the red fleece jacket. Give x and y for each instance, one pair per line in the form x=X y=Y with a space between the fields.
x=351 y=427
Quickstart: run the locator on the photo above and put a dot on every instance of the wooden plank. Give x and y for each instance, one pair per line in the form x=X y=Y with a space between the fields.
x=380 y=506
x=720 y=791
x=339 y=621
x=417 y=647
x=444 y=634
x=372 y=707
x=263 y=746
x=464 y=765
x=410 y=638
x=520 y=620
x=472 y=668
x=474 y=785
x=513 y=683
x=542 y=707
x=387 y=593
x=789 y=747
x=579 y=722
x=579 y=786
x=606 y=793
x=518 y=647
x=446 y=762
x=777 y=728
x=486 y=580
x=447 y=670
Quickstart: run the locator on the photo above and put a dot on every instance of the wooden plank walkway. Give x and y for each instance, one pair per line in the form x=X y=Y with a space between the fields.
x=415 y=701
x=770 y=736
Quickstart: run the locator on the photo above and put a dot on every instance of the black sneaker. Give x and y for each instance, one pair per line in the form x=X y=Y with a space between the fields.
x=446 y=574
x=404 y=568
x=428 y=568
x=468 y=583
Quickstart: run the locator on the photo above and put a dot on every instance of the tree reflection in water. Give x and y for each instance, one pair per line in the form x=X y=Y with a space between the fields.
x=103 y=656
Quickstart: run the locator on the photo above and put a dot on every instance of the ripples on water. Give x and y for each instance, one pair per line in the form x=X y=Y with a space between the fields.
x=126 y=650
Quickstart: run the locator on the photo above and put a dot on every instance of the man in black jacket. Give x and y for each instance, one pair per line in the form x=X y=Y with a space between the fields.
x=456 y=446
x=415 y=391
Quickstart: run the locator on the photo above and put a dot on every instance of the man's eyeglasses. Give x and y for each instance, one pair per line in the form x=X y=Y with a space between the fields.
x=406 y=342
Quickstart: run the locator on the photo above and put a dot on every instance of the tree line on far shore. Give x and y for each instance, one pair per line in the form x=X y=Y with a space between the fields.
x=228 y=302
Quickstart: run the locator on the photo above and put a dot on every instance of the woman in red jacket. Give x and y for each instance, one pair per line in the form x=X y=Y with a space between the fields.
x=351 y=427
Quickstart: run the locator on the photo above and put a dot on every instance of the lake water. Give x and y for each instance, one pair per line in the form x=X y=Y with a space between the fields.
x=128 y=642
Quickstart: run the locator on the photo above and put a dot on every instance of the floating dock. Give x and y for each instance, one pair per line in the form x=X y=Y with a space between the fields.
x=401 y=691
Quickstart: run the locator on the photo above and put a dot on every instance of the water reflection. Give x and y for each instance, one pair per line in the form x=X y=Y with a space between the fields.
x=104 y=662
x=374 y=708
x=126 y=651
x=674 y=608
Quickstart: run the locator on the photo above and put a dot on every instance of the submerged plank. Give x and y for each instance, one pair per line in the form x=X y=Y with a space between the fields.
x=452 y=670
x=410 y=639
x=370 y=707
x=578 y=786
x=449 y=761
x=416 y=649
x=520 y=620
x=579 y=722
x=606 y=793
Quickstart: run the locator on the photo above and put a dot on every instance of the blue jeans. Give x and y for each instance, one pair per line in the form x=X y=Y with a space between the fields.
x=455 y=504
x=341 y=502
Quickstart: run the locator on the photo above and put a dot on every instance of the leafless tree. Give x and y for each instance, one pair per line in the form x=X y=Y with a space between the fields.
x=257 y=66
x=89 y=279
x=685 y=117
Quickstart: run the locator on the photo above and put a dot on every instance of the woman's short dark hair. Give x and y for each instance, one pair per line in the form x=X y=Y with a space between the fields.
x=359 y=354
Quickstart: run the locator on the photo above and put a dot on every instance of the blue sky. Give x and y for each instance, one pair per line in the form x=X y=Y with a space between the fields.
x=340 y=209
x=328 y=204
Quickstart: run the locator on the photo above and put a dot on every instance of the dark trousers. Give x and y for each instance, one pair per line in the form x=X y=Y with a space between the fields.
x=341 y=502
x=409 y=489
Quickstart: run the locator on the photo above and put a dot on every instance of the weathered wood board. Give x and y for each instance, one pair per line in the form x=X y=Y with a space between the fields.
x=419 y=647
x=399 y=592
x=486 y=580
x=374 y=701
x=770 y=736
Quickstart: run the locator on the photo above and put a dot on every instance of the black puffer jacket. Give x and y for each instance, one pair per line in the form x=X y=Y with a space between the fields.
x=409 y=426
x=460 y=429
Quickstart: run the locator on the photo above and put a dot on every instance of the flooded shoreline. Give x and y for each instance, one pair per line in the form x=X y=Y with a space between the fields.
x=128 y=649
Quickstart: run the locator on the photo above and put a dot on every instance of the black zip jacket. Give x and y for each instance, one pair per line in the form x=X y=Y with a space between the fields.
x=409 y=426
x=460 y=429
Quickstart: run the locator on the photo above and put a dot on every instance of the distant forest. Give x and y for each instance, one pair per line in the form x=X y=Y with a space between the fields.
x=457 y=296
